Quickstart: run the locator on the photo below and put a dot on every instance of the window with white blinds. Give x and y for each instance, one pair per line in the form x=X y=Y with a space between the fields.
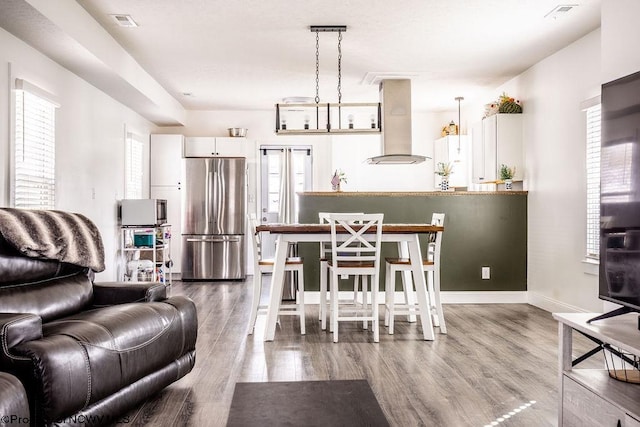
x=593 y=181
x=34 y=166
x=133 y=166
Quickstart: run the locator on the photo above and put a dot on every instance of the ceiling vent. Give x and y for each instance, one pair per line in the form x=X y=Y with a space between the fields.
x=560 y=11
x=124 y=21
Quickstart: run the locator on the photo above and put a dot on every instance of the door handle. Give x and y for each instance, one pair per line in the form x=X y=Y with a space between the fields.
x=216 y=240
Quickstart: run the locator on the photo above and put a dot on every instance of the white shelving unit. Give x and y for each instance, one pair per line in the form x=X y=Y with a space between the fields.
x=141 y=246
x=590 y=397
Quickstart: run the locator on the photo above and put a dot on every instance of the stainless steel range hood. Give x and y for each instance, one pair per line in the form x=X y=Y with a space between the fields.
x=395 y=96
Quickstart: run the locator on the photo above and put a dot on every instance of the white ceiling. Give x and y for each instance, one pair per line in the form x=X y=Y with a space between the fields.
x=249 y=54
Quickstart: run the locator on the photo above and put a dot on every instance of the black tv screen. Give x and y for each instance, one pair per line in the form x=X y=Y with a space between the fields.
x=620 y=193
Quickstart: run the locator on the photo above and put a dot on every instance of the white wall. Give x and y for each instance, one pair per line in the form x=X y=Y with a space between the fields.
x=620 y=33
x=89 y=140
x=555 y=153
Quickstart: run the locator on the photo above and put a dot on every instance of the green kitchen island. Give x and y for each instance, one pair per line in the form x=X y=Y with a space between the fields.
x=482 y=229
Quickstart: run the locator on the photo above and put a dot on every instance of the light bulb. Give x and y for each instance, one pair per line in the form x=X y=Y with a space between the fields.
x=306 y=121
x=350 y=118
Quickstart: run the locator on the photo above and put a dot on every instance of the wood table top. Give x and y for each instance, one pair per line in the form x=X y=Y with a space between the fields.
x=326 y=228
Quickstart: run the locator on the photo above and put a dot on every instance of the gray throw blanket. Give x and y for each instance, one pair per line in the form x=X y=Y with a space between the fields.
x=56 y=235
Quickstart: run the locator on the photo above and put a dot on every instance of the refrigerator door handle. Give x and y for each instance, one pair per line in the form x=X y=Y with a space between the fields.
x=216 y=239
x=209 y=190
x=218 y=198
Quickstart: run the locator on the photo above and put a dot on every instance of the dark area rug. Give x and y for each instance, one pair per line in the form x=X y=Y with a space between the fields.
x=305 y=403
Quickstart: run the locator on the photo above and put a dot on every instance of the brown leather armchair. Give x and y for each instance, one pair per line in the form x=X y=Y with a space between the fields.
x=14 y=407
x=88 y=352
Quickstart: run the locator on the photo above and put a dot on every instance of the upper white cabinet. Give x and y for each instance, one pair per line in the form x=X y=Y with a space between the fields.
x=207 y=146
x=497 y=141
x=453 y=149
x=165 y=159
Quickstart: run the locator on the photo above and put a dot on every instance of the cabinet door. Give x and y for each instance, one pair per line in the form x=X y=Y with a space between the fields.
x=230 y=147
x=458 y=147
x=489 y=141
x=583 y=408
x=509 y=149
x=165 y=158
x=199 y=146
x=477 y=153
x=174 y=217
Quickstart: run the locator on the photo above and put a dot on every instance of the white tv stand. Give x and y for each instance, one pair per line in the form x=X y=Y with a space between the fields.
x=589 y=397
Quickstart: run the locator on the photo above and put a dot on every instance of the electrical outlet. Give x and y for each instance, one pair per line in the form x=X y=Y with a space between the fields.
x=486 y=273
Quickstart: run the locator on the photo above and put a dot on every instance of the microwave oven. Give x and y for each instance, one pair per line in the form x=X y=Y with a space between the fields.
x=148 y=212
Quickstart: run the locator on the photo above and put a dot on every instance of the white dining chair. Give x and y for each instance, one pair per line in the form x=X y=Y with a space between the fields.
x=355 y=251
x=325 y=255
x=431 y=266
x=263 y=266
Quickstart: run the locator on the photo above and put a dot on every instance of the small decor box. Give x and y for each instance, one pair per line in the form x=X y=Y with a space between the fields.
x=142 y=240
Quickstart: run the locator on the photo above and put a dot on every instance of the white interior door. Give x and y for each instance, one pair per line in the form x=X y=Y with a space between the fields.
x=271 y=158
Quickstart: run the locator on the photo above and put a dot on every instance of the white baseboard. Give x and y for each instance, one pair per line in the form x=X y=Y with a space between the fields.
x=551 y=305
x=448 y=297
x=483 y=297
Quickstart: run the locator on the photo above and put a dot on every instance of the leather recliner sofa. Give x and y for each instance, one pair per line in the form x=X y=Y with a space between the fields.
x=88 y=352
x=14 y=406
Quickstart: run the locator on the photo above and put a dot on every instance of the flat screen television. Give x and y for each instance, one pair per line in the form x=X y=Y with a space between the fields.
x=620 y=195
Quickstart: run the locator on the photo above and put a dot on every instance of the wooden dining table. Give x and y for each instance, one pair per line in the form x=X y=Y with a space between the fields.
x=406 y=234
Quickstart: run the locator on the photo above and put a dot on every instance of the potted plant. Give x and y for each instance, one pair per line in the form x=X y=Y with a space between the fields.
x=444 y=170
x=338 y=177
x=506 y=174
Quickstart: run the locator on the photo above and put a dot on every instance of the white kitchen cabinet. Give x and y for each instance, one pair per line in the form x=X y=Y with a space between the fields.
x=445 y=150
x=497 y=141
x=165 y=159
x=209 y=146
x=166 y=175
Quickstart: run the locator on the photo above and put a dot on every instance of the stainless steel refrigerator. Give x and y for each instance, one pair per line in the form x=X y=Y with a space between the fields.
x=213 y=218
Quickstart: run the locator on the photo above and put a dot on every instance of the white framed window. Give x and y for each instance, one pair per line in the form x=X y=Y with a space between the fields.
x=33 y=180
x=593 y=123
x=133 y=160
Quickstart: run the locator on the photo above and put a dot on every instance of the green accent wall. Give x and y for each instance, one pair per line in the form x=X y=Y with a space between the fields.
x=481 y=229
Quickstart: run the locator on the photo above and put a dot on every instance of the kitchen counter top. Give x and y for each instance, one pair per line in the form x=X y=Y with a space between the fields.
x=411 y=193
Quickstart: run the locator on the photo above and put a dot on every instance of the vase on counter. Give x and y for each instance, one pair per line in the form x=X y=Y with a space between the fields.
x=444 y=183
x=508 y=184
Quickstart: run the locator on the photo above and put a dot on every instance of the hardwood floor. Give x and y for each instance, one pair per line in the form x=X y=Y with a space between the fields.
x=497 y=359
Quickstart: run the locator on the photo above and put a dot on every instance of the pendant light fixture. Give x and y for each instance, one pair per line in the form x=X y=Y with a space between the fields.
x=329 y=117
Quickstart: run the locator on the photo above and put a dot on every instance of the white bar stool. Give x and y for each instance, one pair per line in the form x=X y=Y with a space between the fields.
x=431 y=266
x=355 y=253
x=262 y=266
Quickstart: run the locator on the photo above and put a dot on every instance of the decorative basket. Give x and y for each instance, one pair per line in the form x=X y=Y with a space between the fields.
x=510 y=107
x=621 y=365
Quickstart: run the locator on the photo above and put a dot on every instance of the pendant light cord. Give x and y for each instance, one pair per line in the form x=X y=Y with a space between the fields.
x=339 y=67
x=317 y=67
